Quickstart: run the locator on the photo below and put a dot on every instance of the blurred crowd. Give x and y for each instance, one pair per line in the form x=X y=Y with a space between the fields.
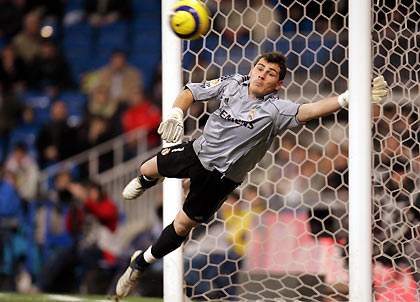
x=63 y=239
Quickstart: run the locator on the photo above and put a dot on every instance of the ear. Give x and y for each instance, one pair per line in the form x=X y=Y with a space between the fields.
x=279 y=84
x=250 y=71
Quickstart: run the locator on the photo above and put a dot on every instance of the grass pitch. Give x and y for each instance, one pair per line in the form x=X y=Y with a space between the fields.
x=14 y=297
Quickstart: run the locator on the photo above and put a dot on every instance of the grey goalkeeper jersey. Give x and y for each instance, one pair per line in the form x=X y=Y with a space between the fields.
x=239 y=133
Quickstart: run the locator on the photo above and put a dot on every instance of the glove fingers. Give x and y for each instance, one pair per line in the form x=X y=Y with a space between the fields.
x=379 y=92
x=378 y=79
x=380 y=85
x=169 y=132
x=178 y=132
x=376 y=99
x=161 y=128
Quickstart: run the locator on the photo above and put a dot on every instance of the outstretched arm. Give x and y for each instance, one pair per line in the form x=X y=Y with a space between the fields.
x=327 y=106
x=172 y=126
x=318 y=109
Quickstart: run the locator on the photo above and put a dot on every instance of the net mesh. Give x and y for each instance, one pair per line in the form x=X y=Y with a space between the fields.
x=283 y=235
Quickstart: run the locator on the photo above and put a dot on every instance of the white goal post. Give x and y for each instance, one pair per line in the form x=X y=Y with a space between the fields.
x=173 y=275
x=360 y=158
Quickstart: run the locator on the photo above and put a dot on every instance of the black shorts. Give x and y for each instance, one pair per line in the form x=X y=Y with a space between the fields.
x=208 y=189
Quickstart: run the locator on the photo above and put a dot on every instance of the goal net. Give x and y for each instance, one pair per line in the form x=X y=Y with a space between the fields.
x=283 y=235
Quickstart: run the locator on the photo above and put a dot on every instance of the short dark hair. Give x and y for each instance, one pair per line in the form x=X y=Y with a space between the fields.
x=275 y=57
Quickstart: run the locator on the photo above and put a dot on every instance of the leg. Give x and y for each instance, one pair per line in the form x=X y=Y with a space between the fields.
x=208 y=190
x=170 y=239
x=148 y=178
x=150 y=168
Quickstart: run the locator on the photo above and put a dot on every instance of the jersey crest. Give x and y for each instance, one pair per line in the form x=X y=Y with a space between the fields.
x=251 y=115
x=212 y=83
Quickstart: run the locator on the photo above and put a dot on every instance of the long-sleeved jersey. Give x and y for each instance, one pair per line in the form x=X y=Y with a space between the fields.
x=239 y=133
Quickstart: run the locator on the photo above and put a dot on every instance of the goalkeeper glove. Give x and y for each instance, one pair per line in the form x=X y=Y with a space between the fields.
x=171 y=128
x=379 y=90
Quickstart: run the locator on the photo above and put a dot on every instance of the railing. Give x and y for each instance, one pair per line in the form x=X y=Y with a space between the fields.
x=117 y=146
x=114 y=179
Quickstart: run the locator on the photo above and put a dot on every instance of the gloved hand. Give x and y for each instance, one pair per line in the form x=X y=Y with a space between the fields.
x=379 y=90
x=172 y=127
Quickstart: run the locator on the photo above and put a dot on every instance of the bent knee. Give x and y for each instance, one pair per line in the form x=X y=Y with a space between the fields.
x=149 y=168
x=182 y=229
x=183 y=224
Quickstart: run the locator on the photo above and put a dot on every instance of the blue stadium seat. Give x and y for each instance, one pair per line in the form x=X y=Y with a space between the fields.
x=111 y=37
x=146 y=42
x=40 y=103
x=74 y=48
x=76 y=103
x=97 y=62
x=146 y=8
x=79 y=66
x=77 y=41
x=146 y=23
x=73 y=5
x=79 y=31
x=147 y=63
x=27 y=134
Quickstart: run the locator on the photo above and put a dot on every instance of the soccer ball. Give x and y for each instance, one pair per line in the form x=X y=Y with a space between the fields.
x=189 y=19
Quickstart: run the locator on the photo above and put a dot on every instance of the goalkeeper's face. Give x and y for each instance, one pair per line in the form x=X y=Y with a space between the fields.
x=264 y=79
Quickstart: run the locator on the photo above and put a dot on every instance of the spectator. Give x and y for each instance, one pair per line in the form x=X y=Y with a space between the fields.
x=142 y=114
x=95 y=221
x=10 y=202
x=100 y=12
x=10 y=19
x=11 y=110
x=93 y=132
x=25 y=168
x=100 y=104
x=63 y=201
x=11 y=214
x=57 y=140
x=28 y=42
x=396 y=217
x=49 y=71
x=50 y=9
x=119 y=78
x=96 y=203
x=156 y=91
x=12 y=70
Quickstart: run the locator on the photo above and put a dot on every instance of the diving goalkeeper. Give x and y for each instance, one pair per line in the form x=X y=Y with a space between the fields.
x=235 y=138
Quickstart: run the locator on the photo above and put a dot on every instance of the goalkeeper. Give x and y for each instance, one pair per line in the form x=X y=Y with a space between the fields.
x=235 y=138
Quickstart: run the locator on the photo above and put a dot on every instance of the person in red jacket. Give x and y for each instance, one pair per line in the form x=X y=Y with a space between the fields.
x=142 y=114
x=96 y=203
x=93 y=220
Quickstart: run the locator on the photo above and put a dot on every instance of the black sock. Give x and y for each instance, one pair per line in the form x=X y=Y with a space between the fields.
x=147 y=182
x=168 y=241
x=139 y=263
